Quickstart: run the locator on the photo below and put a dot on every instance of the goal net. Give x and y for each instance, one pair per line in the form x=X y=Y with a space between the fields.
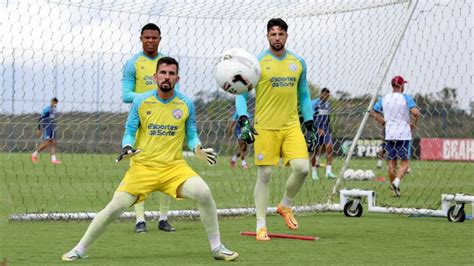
x=76 y=50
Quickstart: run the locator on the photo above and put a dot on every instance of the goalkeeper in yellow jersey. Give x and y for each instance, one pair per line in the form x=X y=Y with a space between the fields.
x=156 y=127
x=277 y=129
x=138 y=78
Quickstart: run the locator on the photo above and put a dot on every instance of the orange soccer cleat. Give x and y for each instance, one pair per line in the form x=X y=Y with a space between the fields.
x=287 y=214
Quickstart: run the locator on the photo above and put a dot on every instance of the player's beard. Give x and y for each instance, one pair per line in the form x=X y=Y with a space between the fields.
x=280 y=46
x=166 y=88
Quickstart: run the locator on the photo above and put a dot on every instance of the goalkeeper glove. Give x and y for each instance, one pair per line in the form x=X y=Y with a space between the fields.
x=127 y=152
x=206 y=154
x=247 y=131
x=310 y=135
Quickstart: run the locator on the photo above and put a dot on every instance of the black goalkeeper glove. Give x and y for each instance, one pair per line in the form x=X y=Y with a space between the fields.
x=310 y=135
x=127 y=152
x=247 y=131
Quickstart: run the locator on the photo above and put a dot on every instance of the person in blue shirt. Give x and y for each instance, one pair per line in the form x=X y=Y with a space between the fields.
x=321 y=109
x=47 y=129
x=242 y=145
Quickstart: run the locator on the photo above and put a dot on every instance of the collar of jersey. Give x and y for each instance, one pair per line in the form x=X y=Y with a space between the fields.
x=151 y=58
x=164 y=101
x=278 y=58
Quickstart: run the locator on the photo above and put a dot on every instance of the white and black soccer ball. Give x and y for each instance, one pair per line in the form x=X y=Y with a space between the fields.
x=359 y=174
x=349 y=174
x=369 y=174
x=237 y=71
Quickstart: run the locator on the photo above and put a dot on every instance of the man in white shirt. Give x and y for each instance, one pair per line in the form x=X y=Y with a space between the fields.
x=398 y=113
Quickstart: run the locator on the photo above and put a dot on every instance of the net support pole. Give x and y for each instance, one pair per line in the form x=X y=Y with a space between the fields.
x=385 y=64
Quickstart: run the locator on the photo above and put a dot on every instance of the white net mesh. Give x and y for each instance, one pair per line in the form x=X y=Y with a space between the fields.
x=75 y=50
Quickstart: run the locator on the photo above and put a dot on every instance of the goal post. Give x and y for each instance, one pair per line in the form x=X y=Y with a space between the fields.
x=76 y=50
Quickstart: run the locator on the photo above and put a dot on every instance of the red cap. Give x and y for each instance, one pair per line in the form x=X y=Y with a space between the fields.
x=398 y=80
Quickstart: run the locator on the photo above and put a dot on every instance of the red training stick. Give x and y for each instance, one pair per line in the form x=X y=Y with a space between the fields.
x=286 y=236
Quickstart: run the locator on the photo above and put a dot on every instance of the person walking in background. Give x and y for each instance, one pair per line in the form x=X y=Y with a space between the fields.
x=321 y=108
x=47 y=128
x=397 y=112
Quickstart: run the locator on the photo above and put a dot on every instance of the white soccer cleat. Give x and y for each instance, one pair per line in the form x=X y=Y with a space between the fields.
x=72 y=255
x=222 y=253
x=314 y=175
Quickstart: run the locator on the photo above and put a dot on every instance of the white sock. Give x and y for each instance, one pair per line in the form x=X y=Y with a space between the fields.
x=35 y=153
x=244 y=162
x=196 y=189
x=317 y=159
x=261 y=223
x=396 y=182
x=328 y=168
x=287 y=202
x=53 y=157
x=214 y=241
x=314 y=169
x=234 y=158
x=165 y=200
x=139 y=211
x=300 y=169
x=119 y=203
x=379 y=163
x=262 y=194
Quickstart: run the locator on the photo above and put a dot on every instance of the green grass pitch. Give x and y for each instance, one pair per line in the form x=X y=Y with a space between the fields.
x=87 y=182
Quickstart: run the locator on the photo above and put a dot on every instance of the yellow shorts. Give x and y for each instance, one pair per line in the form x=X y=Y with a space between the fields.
x=141 y=180
x=271 y=145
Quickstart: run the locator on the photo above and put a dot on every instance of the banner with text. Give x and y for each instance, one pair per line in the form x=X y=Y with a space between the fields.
x=438 y=149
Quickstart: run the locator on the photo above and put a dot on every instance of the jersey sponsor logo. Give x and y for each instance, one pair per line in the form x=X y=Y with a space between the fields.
x=148 y=80
x=177 y=113
x=293 y=67
x=162 y=130
x=149 y=102
x=283 y=81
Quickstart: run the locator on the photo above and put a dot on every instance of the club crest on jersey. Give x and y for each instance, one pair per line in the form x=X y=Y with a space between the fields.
x=260 y=157
x=293 y=67
x=177 y=113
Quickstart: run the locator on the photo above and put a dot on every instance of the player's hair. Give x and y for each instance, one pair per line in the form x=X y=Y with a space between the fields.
x=150 y=26
x=325 y=90
x=277 y=22
x=169 y=61
x=55 y=100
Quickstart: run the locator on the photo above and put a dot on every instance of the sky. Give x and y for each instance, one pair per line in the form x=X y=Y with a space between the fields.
x=75 y=50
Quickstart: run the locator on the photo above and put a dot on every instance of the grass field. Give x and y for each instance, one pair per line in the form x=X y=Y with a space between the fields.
x=372 y=239
x=86 y=182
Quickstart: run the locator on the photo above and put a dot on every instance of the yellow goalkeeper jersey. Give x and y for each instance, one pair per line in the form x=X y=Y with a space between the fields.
x=158 y=127
x=281 y=85
x=138 y=75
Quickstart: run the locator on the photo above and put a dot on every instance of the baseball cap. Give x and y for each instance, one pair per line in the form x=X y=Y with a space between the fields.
x=398 y=80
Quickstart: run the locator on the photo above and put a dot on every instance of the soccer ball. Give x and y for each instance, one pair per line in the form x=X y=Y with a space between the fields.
x=369 y=174
x=359 y=174
x=237 y=71
x=349 y=174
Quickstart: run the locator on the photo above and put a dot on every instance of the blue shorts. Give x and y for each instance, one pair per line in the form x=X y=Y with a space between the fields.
x=397 y=149
x=49 y=133
x=237 y=133
x=325 y=139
